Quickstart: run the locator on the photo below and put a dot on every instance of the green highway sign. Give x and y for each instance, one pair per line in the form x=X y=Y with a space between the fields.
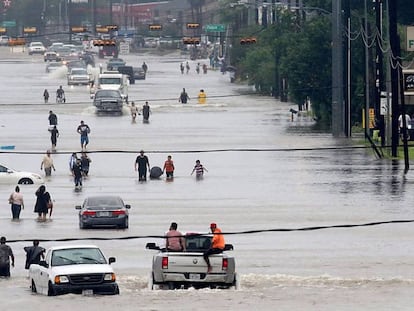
x=215 y=28
x=9 y=24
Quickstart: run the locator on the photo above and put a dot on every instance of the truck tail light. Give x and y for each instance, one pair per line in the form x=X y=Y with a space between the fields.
x=118 y=212
x=164 y=262
x=224 y=264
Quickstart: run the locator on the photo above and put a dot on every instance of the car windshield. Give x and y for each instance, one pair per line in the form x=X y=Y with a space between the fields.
x=104 y=203
x=79 y=72
x=77 y=256
x=110 y=80
x=107 y=93
x=197 y=242
x=63 y=50
x=3 y=169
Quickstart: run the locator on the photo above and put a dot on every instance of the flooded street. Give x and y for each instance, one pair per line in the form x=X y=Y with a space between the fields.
x=264 y=172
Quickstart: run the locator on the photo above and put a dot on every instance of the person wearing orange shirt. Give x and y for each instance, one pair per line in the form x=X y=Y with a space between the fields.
x=217 y=245
x=169 y=168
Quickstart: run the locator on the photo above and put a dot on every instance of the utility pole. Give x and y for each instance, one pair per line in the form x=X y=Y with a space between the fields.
x=367 y=75
x=338 y=107
x=397 y=87
x=392 y=11
x=69 y=8
x=379 y=73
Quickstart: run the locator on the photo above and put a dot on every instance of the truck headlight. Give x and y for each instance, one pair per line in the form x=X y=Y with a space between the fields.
x=110 y=277
x=59 y=279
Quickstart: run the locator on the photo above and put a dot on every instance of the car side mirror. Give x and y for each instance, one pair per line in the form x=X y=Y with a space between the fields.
x=127 y=206
x=152 y=246
x=43 y=263
x=228 y=247
x=111 y=260
x=78 y=207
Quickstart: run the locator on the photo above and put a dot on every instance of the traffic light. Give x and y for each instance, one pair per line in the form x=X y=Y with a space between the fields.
x=248 y=41
x=191 y=40
x=104 y=42
x=112 y=27
x=78 y=29
x=155 y=27
x=193 y=25
x=29 y=29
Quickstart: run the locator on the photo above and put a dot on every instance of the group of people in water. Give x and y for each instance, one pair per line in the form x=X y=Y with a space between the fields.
x=198 y=68
x=142 y=166
x=184 y=98
x=34 y=254
x=145 y=111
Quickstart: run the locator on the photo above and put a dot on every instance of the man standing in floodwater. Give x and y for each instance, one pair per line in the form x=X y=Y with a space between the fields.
x=141 y=164
x=6 y=254
x=52 y=118
x=146 y=110
x=83 y=129
x=33 y=254
x=183 y=97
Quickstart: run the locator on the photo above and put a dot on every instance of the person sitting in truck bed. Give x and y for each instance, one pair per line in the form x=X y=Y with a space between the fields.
x=217 y=245
x=175 y=241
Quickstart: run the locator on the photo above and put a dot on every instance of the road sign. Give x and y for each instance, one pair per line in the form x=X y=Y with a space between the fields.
x=124 y=48
x=410 y=38
x=9 y=24
x=215 y=28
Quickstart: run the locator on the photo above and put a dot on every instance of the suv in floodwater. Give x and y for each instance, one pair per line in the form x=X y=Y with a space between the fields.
x=36 y=48
x=79 y=76
x=4 y=40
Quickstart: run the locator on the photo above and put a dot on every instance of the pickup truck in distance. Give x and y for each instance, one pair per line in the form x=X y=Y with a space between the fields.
x=175 y=270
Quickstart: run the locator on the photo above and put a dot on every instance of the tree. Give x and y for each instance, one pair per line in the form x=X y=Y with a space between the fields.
x=307 y=66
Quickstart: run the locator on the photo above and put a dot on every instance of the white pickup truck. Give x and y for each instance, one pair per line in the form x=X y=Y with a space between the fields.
x=79 y=269
x=174 y=270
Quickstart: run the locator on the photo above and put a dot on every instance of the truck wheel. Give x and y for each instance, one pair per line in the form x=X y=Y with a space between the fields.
x=50 y=290
x=236 y=282
x=33 y=287
x=172 y=285
x=151 y=282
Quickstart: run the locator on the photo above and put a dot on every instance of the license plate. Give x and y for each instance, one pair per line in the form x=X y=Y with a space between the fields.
x=104 y=214
x=194 y=276
x=87 y=292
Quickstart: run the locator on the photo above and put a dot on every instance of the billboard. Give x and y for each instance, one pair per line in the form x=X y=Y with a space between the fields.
x=410 y=39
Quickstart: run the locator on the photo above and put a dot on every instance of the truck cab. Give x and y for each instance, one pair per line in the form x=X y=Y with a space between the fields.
x=113 y=80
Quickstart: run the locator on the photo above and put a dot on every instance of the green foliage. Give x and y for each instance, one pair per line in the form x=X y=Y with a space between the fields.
x=307 y=66
x=301 y=54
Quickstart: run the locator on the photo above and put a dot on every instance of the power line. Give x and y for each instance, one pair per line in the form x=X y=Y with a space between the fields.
x=313 y=228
